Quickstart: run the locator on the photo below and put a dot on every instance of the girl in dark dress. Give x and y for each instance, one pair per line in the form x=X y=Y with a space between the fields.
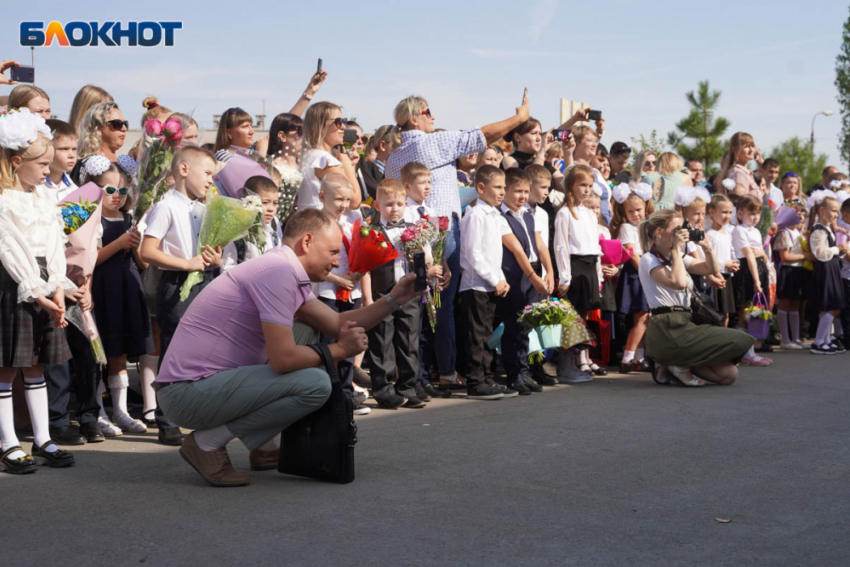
x=119 y=298
x=827 y=290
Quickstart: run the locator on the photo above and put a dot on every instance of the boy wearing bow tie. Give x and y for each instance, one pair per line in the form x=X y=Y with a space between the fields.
x=394 y=342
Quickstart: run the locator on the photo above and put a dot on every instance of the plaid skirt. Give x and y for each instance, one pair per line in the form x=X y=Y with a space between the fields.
x=27 y=335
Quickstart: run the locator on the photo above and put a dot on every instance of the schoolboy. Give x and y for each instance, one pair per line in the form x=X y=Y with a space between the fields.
x=57 y=185
x=171 y=242
x=241 y=250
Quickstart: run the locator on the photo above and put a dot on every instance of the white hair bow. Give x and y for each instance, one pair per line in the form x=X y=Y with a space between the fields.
x=96 y=164
x=19 y=128
x=817 y=197
x=729 y=184
x=686 y=195
x=623 y=190
x=837 y=184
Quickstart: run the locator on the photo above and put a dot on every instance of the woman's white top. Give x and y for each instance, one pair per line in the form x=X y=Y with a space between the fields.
x=31 y=227
x=629 y=234
x=579 y=237
x=308 y=194
x=745 y=237
x=656 y=294
x=328 y=289
x=792 y=241
x=721 y=243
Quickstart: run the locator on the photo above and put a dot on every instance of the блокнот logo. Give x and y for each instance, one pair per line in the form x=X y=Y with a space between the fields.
x=111 y=34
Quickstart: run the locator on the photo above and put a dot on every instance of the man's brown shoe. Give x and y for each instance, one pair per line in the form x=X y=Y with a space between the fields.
x=264 y=460
x=214 y=466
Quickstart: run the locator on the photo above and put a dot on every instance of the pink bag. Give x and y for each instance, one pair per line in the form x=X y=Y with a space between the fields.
x=613 y=252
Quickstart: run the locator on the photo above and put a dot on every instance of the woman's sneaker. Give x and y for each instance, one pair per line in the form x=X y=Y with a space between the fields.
x=361 y=409
x=790 y=346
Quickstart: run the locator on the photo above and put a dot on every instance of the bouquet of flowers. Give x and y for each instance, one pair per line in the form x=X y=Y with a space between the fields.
x=758 y=317
x=290 y=182
x=76 y=215
x=419 y=238
x=225 y=220
x=553 y=323
x=81 y=217
x=156 y=150
x=257 y=233
x=438 y=249
x=84 y=321
x=758 y=312
x=767 y=216
x=804 y=244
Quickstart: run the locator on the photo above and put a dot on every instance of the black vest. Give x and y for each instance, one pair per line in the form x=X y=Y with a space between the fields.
x=383 y=277
x=513 y=273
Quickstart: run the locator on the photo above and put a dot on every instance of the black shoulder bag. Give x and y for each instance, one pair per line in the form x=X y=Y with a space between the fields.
x=703 y=311
x=321 y=445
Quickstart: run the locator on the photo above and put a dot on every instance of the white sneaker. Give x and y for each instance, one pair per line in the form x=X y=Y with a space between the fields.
x=360 y=409
x=803 y=345
x=360 y=394
x=790 y=346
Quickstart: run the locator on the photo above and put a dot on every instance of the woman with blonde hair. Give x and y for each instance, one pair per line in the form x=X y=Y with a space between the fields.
x=102 y=132
x=32 y=98
x=684 y=353
x=742 y=149
x=670 y=178
x=85 y=98
x=323 y=131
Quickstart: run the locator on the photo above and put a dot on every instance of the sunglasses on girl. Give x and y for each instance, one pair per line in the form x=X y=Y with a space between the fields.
x=118 y=124
x=110 y=190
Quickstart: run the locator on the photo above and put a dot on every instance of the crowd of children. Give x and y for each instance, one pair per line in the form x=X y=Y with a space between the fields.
x=531 y=232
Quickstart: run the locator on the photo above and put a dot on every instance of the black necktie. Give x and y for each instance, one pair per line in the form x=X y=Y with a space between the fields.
x=421 y=211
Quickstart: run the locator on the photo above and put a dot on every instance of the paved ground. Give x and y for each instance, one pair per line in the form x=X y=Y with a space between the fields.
x=616 y=472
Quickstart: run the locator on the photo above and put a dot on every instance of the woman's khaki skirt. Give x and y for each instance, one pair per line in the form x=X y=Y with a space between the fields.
x=673 y=339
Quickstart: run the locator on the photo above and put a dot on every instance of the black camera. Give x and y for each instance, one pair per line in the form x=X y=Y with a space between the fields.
x=694 y=234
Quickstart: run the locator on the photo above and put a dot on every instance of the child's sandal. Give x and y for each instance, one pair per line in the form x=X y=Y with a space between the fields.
x=108 y=428
x=130 y=425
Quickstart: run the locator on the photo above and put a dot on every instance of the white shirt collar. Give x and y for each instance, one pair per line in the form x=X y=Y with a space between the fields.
x=507 y=210
x=414 y=205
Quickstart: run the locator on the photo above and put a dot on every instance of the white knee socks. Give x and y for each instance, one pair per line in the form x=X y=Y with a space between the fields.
x=783 y=327
x=628 y=356
x=213 y=438
x=794 y=324
x=35 y=391
x=118 y=386
x=147 y=375
x=8 y=439
x=824 y=329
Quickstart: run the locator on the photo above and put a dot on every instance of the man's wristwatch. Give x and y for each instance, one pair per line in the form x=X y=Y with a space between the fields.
x=392 y=302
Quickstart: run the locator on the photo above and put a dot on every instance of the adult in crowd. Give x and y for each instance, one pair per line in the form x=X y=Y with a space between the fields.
x=438 y=151
x=769 y=170
x=670 y=178
x=530 y=145
x=684 y=353
x=644 y=170
x=586 y=141
x=618 y=158
x=102 y=133
x=696 y=171
x=285 y=135
x=354 y=154
x=235 y=133
x=324 y=128
x=86 y=97
x=31 y=97
x=827 y=172
x=235 y=368
x=383 y=142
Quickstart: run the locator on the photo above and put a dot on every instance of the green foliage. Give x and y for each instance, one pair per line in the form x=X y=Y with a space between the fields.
x=702 y=128
x=654 y=143
x=842 y=83
x=795 y=155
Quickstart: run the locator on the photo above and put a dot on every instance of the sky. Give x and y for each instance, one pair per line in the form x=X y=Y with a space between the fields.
x=773 y=61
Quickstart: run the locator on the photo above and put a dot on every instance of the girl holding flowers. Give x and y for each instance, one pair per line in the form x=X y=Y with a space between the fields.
x=33 y=283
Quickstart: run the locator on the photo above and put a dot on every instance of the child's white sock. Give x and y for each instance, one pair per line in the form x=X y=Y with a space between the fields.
x=628 y=356
x=585 y=357
x=639 y=354
x=35 y=391
x=118 y=386
x=213 y=438
x=794 y=324
x=783 y=327
x=101 y=390
x=147 y=376
x=750 y=354
x=8 y=439
x=824 y=326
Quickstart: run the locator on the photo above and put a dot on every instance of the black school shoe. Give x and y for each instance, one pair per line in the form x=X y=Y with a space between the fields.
x=519 y=387
x=57 y=459
x=540 y=376
x=67 y=435
x=92 y=432
x=531 y=383
x=838 y=346
x=171 y=436
x=434 y=392
x=22 y=465
x=825 y=349
x=485 y=391
x=421 y=393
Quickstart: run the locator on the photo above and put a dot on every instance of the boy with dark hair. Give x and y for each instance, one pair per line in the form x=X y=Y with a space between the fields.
x=769 y=170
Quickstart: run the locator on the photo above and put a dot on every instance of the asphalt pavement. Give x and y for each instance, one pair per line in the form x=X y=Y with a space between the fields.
x=615 y=472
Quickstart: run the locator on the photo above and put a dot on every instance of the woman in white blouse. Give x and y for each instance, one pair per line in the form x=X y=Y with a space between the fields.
x=679 y=347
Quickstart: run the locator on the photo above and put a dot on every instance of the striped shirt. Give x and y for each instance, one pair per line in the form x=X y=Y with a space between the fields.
x=438 y=152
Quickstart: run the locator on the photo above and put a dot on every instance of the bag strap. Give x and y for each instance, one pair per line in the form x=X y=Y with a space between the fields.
x=327 y=361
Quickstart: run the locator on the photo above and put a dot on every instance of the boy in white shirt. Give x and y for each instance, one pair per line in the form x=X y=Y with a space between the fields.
x=241 y=250
x=170 y=242
x=57 y=185
x=482 y=282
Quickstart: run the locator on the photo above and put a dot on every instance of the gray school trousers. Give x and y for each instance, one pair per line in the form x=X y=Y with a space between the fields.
x=254 y=402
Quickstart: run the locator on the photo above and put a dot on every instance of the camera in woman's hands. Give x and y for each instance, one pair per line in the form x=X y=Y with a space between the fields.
x=694 y=234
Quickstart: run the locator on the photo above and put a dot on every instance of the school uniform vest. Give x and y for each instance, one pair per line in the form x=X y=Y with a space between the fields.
x=510 y=266
x=383 y=277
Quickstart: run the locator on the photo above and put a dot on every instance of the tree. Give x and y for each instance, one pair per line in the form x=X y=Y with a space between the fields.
x=653 y=143
x=842 y=82
x=796 y=155
x=702 y=127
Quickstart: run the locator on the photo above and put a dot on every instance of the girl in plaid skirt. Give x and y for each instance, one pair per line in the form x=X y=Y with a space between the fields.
x=32 y=287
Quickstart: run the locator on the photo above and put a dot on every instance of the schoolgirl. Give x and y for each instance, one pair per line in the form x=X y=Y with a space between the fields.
x=793 y=282
x=720 y=212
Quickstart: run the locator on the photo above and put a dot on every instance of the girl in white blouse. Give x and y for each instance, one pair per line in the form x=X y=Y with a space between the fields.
x=632 y=205
x=792 y=285
x=827 y=290
x=32 y=287
x=577 y=250
x=720 y=212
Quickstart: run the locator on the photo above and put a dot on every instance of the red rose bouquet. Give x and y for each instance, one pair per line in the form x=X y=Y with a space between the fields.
x=369 y=248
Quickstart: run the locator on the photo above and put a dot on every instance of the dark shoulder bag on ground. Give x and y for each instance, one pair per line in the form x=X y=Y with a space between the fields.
x=321 y=445
x=703 y=311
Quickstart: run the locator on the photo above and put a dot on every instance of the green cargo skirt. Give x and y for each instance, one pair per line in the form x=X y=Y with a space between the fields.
x=673 y=339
